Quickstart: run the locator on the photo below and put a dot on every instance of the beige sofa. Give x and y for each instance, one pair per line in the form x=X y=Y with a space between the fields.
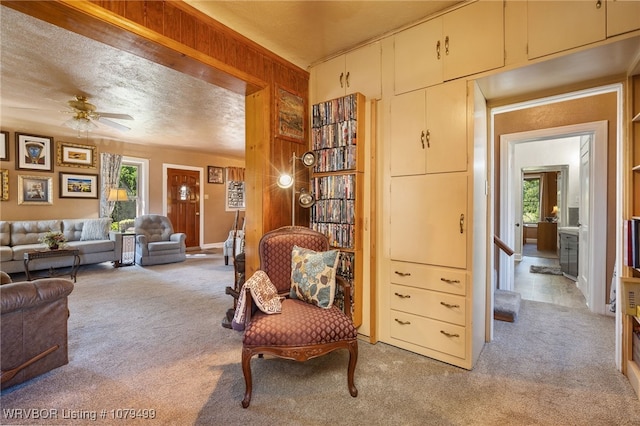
x=92 y=237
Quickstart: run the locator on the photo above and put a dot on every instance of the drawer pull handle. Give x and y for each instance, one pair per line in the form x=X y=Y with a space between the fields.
x=449 y=305
x=403 y=274
x=446 y=280
x=448 y=334
x=403 y=296
x=402 y=322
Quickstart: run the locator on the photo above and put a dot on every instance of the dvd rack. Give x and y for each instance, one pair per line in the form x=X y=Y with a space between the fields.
x=337 y=184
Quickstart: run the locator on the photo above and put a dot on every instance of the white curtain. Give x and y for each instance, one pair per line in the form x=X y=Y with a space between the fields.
x=109 y=177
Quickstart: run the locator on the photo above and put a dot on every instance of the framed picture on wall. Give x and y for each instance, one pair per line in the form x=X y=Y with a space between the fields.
x=78 y=185
x=35 y=190
x=34 y=152
x=4 y=146
x=4 y=185
x=290 y=116
x=215 y=174
x=75 y=155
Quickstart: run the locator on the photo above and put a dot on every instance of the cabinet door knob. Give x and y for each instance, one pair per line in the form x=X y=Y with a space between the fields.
x=598 y=4
x=403 y=274
x=347 y=79
x=428 y=138
x=448 y=281
x=461 y=223
x=403 y=296
x=422 y=137
x=449 y=334
x=438 y=49
x=341 y=79
x=448 y=305
x=446 y=45
x=402 y=322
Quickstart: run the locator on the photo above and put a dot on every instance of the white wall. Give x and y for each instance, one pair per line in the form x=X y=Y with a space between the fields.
x=553 y=152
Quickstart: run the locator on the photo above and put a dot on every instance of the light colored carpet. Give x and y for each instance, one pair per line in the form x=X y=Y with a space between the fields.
x=150 y=338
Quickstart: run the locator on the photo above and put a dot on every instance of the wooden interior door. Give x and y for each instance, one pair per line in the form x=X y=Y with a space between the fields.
x=183 y=205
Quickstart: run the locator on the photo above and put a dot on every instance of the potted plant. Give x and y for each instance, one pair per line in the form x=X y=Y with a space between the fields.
x=53 y=240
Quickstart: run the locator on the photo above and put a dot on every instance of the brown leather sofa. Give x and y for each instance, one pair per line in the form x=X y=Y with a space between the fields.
x=33 y=327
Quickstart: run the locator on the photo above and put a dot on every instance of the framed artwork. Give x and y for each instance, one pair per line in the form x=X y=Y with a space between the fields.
x=34 y=152
x=4 y=185
x=4 y=146
x=75 y=155
x=78 y=185
x=290 y=115
x=215 y=174
x=35 y=190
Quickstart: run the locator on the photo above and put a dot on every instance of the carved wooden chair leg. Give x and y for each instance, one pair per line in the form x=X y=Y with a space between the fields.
x=246 y=370
x=353 y=359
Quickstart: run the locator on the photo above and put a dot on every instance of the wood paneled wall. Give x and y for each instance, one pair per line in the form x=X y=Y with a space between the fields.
x=174 y=34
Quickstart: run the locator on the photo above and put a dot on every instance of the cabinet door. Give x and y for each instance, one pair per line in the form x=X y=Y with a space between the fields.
x=330 y=79
x=473 y=39
x=408 y=134
x=363 y=73
x=446 y=135
x=554 y=26
x=418 y=56
x=429 y=219
x=622 y=16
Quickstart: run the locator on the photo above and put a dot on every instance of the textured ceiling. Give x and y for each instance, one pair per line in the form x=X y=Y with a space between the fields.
x=43 y=66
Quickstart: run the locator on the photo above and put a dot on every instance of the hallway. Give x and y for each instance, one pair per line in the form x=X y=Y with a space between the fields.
x=555 y=289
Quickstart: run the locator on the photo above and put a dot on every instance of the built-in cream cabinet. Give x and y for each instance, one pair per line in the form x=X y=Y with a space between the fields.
x=429 y=219
x=622 y=16
x=462 y=42
x=429 y=130
x=355 y=71
x=554 y=26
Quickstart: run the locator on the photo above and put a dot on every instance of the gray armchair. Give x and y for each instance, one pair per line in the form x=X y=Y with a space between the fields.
x=156 y=242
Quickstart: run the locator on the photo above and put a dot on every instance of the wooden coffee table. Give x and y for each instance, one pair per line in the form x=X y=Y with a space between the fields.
x=47 y=254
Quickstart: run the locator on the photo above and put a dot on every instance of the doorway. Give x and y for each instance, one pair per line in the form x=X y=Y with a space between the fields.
x=182 y=193
x=593 y=201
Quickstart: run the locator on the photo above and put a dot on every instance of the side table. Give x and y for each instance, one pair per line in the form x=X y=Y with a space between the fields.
x=48 y=254
x=128 y=256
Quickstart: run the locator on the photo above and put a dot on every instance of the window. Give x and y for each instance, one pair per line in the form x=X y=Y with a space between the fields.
x=133 y=178
x=531 y=200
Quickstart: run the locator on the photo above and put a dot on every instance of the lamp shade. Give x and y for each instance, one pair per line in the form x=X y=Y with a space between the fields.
x=118 y=194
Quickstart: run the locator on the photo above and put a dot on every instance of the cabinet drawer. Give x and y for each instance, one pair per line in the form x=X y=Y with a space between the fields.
x=427 y=303
x=428 y=333
x=429 y=277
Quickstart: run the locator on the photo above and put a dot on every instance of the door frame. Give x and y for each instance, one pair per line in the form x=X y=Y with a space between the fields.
x=200 y=170
x=597 y=204
x=563 y=169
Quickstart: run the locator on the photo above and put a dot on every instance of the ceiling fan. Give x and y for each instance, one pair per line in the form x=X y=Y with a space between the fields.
x=84 y=115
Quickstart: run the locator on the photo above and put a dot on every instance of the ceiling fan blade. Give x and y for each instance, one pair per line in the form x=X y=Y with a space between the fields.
x=112 y=115
x=113 y=124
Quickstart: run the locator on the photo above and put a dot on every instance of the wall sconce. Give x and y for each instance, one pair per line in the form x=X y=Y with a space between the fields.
x=286 y=180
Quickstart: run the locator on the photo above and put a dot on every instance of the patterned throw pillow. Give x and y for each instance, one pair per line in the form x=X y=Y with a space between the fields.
x=96 y=229
x=264 y=293
x=313 y=276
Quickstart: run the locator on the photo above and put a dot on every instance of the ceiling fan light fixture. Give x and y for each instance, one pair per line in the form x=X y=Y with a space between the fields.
x=80 y=124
